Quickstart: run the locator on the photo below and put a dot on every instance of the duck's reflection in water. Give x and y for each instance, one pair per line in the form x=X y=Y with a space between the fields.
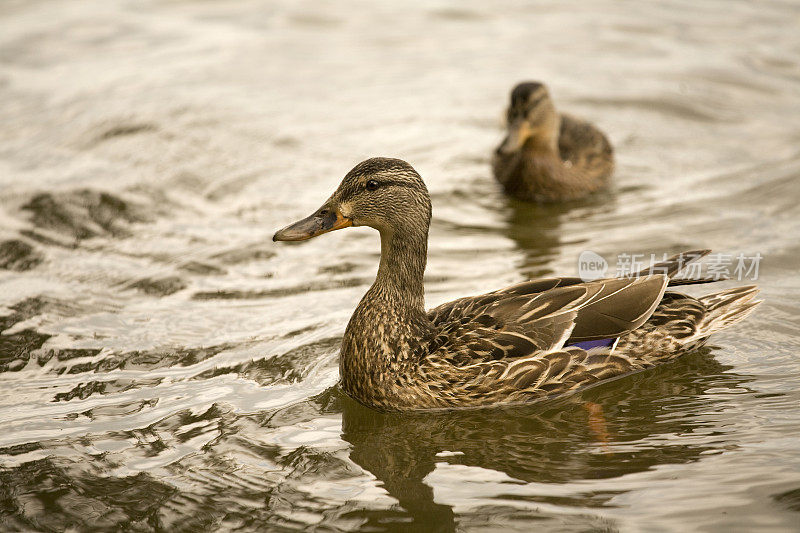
x=617 y=428
x=536 y=229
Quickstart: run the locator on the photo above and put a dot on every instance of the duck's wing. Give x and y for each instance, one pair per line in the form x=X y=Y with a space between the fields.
x=473 y=305
x=537 y=317
x=622 y=305
x=584 y=145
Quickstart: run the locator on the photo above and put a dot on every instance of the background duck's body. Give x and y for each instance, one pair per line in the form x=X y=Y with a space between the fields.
x=546 y=156
x=516 y=345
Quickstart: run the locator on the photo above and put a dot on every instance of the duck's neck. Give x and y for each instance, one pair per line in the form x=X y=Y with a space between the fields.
x=544 y=138
x=543 y=144
x=382 y=341
x=402 y=269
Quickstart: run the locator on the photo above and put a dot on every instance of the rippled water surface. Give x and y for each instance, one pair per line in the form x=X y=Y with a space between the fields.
x=165 y=366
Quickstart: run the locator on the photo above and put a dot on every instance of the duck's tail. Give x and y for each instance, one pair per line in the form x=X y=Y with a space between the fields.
x=724 y=309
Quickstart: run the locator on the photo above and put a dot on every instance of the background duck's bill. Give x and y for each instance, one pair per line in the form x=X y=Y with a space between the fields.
x=323 y=221
x=518 y=133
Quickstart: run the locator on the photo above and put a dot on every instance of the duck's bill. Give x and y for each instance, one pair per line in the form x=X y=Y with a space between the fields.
x=518 y=133
x=323 y=221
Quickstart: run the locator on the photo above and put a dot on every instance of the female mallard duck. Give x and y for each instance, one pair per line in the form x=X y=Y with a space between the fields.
x=547 y=157
x=526 y=342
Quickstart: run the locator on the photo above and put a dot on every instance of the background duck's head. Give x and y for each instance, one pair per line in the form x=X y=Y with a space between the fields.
x=383 y=193
x=530 y=116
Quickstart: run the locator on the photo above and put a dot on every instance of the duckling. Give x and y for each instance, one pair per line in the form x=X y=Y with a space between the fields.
x=546 y=156
x=523 y=343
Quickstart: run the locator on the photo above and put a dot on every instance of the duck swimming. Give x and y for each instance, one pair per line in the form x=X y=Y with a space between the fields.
x=527 y=342
x=546 y=156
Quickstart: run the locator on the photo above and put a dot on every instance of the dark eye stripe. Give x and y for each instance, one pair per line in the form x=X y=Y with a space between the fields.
x=536 y=101
x=393 y=183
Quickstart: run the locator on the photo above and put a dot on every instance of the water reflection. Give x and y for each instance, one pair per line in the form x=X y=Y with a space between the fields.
x=605 y=432
x=299 y=465
x=537 y=229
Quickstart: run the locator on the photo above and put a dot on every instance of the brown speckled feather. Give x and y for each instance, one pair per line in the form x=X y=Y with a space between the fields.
x=508 y=346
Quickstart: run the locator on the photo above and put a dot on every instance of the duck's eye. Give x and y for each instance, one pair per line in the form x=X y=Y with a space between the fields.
x=372 y=185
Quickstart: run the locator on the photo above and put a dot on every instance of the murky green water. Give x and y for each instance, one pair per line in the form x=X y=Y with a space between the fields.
x=165 y=366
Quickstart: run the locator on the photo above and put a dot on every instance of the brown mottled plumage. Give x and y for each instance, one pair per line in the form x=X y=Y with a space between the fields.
x=547 y=157
x=507 y=346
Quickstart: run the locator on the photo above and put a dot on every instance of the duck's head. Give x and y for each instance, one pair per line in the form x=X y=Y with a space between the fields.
x=530 y=115
x=384 y=193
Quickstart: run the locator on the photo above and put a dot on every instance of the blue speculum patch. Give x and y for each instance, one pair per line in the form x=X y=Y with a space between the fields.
x=600 y=343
